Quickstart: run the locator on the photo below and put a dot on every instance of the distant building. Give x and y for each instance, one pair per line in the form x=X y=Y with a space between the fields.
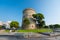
x=7 y=24
x=27 y=13
x=1 y=23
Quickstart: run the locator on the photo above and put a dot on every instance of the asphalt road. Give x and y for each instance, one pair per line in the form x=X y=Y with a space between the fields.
x=9 y=36
x=17 y=38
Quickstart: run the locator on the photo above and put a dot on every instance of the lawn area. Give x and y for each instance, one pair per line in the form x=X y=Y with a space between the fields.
x=7 y=30
x=36 y=30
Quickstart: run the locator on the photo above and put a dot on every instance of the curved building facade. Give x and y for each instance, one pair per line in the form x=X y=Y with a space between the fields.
x=27 y=13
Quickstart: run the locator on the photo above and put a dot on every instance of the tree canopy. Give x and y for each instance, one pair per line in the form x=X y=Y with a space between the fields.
x=39 y=19
x=14 y=24
x=26 y=21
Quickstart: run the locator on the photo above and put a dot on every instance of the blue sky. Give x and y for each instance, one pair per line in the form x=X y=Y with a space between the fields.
x=12 y=9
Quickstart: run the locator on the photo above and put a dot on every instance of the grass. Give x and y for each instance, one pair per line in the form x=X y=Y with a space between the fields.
x=7 y=30
x=36 y=30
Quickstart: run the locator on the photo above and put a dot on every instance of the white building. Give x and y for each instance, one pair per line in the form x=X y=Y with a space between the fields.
x=7 y=24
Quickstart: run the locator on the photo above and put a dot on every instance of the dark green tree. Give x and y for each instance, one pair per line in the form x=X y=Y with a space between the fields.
x=45 y=26
x=57 y=26
x=0 y=27
x=39 y=19
x=51 y=26
x=26 y=21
